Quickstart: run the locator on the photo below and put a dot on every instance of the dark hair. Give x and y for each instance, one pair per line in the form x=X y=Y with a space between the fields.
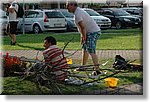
x=72 y=2
x=51 y=40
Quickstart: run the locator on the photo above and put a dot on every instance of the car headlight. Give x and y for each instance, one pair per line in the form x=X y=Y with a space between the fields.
x=125 y=19
x=109 y=20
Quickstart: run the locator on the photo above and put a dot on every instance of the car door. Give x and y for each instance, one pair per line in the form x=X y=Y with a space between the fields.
x=29 y=20
x=56 y=19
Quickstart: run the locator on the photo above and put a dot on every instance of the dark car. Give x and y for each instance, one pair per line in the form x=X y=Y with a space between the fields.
x=137 y=12
x=134 y=10
x=120 y=18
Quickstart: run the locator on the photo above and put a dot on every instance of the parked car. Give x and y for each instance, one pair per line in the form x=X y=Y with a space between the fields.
x=3 y=21
x=43 y=20
x=120 y=18
x=103 y=22
x=70 y=20
x=134 y=11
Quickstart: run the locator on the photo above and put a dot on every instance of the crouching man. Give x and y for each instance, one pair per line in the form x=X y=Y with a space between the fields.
x=54 y=59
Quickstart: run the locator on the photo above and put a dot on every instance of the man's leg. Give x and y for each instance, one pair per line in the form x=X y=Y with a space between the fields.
x=10 y=35
x=85 y=56
x=8 y=31
x=13 y=29
x=95 y=61
x=13 y=38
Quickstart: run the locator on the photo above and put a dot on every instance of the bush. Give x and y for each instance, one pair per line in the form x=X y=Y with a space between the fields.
x=11 y=64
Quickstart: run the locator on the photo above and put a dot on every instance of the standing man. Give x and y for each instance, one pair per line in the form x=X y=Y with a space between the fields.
x=12 y=26
x=89 y=31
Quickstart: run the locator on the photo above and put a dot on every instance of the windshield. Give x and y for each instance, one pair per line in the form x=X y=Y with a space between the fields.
x=92 y=13
x=67 y=14
x=121 y=13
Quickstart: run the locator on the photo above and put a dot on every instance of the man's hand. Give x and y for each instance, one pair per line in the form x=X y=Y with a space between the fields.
x=83 y=40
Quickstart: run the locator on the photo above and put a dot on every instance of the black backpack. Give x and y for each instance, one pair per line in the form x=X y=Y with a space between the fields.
x=20 y=12
x=120 y=63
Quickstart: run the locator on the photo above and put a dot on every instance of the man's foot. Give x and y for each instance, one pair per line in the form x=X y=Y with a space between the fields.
x=12 y=43
x=97 y=72
x=79 y=69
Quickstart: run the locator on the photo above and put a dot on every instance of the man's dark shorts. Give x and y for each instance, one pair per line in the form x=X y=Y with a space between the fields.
x=12 y=27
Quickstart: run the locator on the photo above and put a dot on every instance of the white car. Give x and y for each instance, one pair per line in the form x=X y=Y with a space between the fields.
x=43 y=20
x=102 y=21
x=3 y=21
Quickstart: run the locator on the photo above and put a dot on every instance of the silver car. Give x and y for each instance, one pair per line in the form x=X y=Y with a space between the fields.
x=43 y=20
x=70 y=20
x=102 y=22
x=3 y=21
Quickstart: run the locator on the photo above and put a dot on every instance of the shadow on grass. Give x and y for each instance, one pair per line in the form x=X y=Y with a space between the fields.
x=132 y=78
x=35 y=48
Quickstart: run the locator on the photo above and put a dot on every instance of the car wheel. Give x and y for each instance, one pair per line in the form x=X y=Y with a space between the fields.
x=118 y=25
x=36 y=29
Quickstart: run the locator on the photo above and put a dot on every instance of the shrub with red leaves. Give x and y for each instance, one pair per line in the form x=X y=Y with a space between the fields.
x=11 y=65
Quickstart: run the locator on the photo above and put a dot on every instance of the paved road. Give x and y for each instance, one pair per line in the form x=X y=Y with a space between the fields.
x=127 y=54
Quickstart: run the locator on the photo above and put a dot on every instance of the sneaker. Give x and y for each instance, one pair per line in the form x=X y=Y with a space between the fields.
x=13 y=43
x=79 y=69
x=95 y=73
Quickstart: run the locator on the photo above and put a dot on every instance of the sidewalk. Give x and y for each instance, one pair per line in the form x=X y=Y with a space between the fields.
x=127 y=54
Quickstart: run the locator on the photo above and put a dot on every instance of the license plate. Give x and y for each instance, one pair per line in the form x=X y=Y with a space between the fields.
x=57 y=25
x=136 y=22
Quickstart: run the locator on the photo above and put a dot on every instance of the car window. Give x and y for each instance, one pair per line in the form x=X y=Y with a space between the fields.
x=39 y=15
x=121 y=13
x=130 y=11
x=31 y=14
x=108 y=13
x=92 y=13
x=137 y=12
x=67 y=14
x=54 y=15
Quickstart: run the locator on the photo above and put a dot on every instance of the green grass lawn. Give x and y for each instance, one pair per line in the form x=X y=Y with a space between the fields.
x=111 y=39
